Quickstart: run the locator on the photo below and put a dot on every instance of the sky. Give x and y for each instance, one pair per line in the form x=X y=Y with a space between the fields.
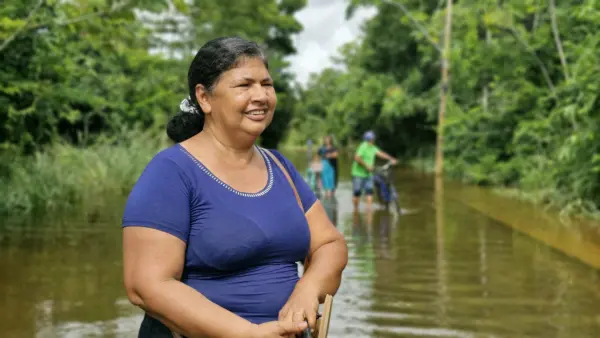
x=325 y=30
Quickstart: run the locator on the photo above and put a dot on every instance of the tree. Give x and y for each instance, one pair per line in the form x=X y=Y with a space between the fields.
x=73 y=70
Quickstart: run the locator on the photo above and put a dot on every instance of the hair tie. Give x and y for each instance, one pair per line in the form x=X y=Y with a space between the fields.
x=186 y=106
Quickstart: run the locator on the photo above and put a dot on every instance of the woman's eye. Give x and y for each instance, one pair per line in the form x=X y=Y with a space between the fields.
x=243 y=85
x=268 y=84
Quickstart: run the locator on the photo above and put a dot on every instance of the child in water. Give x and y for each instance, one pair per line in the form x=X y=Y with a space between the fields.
x=327 y=175
x=316 y=167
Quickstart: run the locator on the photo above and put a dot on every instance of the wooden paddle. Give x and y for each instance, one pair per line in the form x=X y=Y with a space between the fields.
x=323 y=322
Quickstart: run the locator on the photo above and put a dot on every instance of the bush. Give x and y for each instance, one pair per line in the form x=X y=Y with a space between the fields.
x=63 y=177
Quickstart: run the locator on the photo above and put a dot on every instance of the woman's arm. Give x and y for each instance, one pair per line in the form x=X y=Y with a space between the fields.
x=328 y=254
x=153 y=262
x=327 y=259
x=333 y=153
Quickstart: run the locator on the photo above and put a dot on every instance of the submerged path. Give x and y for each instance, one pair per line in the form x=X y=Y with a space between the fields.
x=465 y=265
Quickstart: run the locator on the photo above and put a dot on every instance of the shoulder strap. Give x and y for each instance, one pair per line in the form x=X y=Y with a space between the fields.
x=287 y=175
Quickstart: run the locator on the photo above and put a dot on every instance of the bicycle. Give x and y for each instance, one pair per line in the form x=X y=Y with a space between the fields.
x=384 y=187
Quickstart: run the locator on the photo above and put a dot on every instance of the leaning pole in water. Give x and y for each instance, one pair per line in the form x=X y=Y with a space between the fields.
x=439 y=149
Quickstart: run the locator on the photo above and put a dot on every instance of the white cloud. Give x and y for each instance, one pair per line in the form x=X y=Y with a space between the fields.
x=325 y=30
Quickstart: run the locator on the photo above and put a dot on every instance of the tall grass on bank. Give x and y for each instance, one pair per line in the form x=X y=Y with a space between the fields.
x=67 y=178
x=567 y=205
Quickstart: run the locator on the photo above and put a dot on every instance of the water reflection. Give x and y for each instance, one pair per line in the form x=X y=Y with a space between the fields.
x=441 y=266
x=374 y=227
x=63 y=281
x=330 y=205
x=360 y=229
x=459 y=274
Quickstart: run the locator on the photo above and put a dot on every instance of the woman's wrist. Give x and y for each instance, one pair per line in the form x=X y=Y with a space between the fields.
x=308 y=284
x=248 y=331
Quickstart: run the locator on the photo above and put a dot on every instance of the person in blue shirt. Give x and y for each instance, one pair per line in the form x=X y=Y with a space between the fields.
x=212 y=229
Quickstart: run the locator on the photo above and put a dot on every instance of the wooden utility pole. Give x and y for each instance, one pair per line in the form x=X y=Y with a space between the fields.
x=439 y=151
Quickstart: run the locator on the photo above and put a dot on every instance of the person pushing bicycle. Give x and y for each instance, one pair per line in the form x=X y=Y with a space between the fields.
x=362 y=168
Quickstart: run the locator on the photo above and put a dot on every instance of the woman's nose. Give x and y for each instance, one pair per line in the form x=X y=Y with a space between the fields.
x=259 y=93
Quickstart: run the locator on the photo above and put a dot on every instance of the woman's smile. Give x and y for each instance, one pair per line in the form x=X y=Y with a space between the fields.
x=256 y=115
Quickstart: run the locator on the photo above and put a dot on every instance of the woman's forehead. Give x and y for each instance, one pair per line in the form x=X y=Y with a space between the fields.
x=251 y=69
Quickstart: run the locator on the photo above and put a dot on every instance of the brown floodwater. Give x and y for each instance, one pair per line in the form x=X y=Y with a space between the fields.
x=466 y=263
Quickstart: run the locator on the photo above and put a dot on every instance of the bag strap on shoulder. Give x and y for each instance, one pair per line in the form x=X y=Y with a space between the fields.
x=287 y=176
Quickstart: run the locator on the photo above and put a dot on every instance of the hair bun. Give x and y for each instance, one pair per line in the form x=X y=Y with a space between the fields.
x=184 y=125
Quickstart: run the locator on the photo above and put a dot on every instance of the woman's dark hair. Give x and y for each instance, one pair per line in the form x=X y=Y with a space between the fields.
x=213 y=59
x=331 y=140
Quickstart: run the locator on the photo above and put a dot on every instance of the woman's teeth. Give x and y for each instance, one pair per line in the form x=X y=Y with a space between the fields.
x=256 y=112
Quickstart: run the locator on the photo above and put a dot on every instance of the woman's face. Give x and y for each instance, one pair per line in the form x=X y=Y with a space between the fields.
x=327 y=140
x=243 y=100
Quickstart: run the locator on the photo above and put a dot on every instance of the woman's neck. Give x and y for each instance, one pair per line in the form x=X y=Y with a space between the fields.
x=237 y=153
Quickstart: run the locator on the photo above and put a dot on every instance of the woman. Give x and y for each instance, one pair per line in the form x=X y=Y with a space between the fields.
x=213 y=229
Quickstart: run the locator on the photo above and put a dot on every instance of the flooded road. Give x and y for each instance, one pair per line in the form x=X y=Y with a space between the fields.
x=448 y=270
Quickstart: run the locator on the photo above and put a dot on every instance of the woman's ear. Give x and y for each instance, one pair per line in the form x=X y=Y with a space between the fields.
x=202 y=96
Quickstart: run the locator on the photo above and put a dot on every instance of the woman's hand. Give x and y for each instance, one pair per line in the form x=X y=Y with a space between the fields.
x=302 y=305
x=277 y=329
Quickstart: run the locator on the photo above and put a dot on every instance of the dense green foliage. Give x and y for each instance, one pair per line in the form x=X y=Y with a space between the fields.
x=522 y=110
x=75 y=69
x=69 y=179
x=77 y=75
x=523 y=105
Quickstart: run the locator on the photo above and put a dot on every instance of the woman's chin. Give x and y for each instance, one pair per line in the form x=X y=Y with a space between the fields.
x=255 y=128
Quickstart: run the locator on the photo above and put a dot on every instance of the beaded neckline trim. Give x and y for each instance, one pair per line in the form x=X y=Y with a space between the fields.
x=228 y=187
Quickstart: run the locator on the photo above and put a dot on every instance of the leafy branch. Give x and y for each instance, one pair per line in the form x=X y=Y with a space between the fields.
x=26 y=27
x=30 y=16
x=420 y=27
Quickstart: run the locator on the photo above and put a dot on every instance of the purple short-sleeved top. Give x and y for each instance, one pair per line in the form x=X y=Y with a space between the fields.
x=242 y=248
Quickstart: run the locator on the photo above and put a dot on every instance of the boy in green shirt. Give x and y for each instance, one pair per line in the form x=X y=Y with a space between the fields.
x=362 y=168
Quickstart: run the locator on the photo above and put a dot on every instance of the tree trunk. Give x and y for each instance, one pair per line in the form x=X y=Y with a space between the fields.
x=486 y=87
x=439 y=157
x=555 y=32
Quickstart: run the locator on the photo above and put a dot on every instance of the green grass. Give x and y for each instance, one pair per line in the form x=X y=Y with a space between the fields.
x=566 y=205
x=65 y=178
x=425 y=164
x=553 y=200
